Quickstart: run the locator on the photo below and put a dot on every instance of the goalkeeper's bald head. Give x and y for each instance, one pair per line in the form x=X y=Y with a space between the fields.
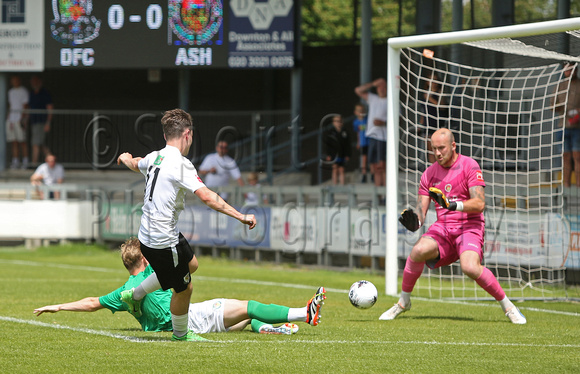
x=444 y=134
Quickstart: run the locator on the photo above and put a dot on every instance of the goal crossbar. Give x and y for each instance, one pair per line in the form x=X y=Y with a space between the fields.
x=393 y=82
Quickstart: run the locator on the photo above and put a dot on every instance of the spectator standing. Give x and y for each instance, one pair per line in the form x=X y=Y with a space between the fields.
x=41 y=102
x=376 y=126
x=360 y=126
x=571 y=124
x=16 y=124
x=49 y=173
x=337 y=143
x=218 y=168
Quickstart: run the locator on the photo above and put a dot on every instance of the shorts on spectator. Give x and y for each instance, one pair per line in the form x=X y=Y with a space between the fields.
x=37 y=134
x=377 y=151
x=571 y=140
x=15 y=132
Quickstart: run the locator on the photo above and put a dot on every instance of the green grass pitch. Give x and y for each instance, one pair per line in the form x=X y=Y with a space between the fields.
x=435 y=336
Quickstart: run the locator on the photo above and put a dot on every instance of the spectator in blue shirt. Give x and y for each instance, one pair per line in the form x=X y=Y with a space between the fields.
x=360 y=126
x=40 y=103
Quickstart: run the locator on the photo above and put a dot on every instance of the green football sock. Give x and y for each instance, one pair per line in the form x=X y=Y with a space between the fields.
x=271 y=313
x=257 y=324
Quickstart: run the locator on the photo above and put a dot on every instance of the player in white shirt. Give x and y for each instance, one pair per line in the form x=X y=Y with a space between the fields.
x=169 y=175
x=15 y=124
x=218 y=168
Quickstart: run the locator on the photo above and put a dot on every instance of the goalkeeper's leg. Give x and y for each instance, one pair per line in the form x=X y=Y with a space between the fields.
x=471 y=266
x=426 y=248
x=412 y=272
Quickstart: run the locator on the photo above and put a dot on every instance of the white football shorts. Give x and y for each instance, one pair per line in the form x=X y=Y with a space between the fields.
x=207 y=316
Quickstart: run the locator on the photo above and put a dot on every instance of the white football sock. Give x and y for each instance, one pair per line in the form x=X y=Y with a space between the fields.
x=150 y=284
x=297 y=314
x=405 y=298
x=506 y=304
x=179 y=324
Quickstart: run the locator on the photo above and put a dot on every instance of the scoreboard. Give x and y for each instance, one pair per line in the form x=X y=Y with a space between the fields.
x=170 y=33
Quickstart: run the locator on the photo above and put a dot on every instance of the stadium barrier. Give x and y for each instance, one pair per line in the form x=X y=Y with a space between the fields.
x=39 y=221
x=322 y=225
x=308 y=224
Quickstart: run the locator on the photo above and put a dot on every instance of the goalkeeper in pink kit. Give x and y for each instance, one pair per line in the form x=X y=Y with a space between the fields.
x=455 y=183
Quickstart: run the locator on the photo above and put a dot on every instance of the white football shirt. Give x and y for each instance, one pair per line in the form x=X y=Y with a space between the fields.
x=225 y=166
x=169 y=176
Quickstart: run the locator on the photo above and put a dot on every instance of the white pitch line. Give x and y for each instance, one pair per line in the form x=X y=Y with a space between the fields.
x=407 y=342
x=76 y=329
x=273 y=284
x=60 y=266
x=284 y=340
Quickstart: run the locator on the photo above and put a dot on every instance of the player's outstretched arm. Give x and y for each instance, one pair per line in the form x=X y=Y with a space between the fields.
x=214 y=201
x=129 y=161
x=88 y=304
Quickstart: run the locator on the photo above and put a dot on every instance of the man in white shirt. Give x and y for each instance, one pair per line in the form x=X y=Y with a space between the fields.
x=169 y=175
x=376 y=126
x=15 y=124
x=218 y=168
x=48 y=173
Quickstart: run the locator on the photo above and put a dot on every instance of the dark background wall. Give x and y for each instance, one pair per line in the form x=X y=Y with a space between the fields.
x=329 y=77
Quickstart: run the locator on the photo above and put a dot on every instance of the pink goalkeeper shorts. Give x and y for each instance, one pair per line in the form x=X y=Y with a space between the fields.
x=454 y=240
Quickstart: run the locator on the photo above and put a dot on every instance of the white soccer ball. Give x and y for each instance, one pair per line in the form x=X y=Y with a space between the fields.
x=363 y=294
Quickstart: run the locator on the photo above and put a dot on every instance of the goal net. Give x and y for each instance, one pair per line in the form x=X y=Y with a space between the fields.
x=500 y=106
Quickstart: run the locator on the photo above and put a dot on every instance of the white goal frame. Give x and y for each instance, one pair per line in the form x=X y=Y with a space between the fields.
x=393 y=81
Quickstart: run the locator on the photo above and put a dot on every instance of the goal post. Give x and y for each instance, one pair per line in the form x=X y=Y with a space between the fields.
x=395 y=46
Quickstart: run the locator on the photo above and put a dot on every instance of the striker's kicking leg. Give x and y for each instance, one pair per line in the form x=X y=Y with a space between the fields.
x=174 y=266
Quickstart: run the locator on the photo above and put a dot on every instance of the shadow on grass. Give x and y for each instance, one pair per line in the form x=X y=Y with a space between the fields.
x=415 y=318
x=133 y=329
x=449 y=318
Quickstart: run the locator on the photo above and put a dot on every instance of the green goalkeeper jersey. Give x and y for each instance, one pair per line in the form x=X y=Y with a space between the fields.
x=155 y=306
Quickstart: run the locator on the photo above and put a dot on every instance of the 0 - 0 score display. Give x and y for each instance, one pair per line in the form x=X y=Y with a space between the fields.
x=153 y=17
x=175 y=33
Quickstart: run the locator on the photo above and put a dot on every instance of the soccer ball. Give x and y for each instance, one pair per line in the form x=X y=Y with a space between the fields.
x=363 y=294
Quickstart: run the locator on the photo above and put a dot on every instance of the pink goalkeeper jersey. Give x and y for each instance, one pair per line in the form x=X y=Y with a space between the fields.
x=455 y=183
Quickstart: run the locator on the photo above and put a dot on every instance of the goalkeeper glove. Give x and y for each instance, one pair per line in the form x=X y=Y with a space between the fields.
x=410 y=220
x=439 y=198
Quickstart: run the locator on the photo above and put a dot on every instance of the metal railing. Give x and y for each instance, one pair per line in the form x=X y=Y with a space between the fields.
x=260 y=140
